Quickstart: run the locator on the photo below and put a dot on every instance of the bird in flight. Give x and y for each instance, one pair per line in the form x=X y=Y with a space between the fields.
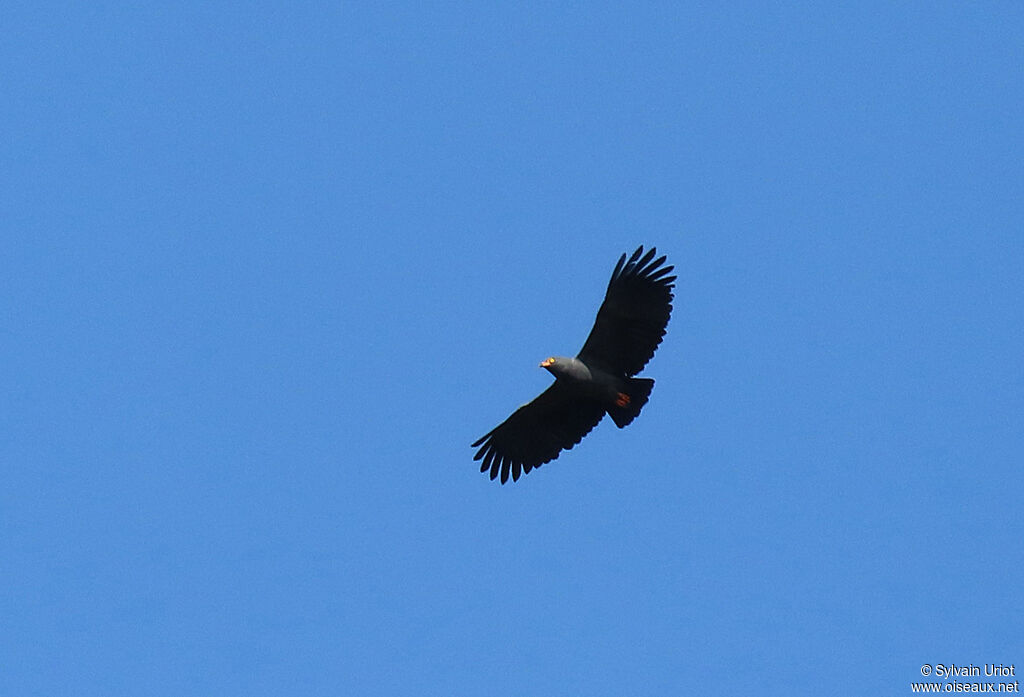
x=600 y=379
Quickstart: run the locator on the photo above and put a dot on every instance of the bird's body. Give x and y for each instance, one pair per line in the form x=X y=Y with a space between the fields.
x=629 y=326
x=615 y=392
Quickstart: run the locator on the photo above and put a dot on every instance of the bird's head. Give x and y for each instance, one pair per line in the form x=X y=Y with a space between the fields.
x=554 y=365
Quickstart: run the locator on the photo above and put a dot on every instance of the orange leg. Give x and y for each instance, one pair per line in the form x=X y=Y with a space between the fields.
x=622 y=400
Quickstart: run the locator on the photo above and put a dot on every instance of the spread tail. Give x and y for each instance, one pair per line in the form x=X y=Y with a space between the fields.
x=629 y=403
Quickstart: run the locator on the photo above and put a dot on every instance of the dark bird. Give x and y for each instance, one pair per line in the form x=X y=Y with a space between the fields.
x=599 y=380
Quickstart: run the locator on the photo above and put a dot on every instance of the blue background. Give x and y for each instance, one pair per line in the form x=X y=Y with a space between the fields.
x=268 y=269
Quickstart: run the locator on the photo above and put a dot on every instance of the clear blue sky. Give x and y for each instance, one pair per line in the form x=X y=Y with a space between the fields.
x=268 y=269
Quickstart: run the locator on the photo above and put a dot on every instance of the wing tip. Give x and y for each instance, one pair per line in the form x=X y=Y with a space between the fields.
x=641 y=264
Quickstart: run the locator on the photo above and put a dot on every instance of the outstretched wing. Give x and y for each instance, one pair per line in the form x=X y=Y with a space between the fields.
x=633 y=316
x=537 y=432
